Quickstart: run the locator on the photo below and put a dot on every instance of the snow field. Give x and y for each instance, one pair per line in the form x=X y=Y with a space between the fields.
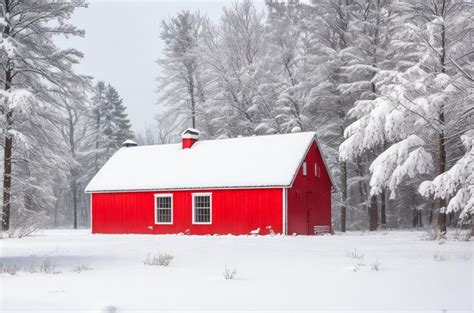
x=273 y=273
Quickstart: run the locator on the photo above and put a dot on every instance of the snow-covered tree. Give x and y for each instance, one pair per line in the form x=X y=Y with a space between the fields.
x=456 y=185
x=380 y=81
x=32 y=69
x=433 y=94
x=77 y=132
x=232 y=51
x=180 y=82
x=281 y=96
x=100 y=112
x=423 y=96
x=367 y=54
x=328 y=26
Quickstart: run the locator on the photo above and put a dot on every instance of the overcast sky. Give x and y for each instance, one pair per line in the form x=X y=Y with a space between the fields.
x=122 y=44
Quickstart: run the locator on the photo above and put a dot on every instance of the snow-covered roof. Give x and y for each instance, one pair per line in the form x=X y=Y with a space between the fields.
x=129 y=143
x=191 y=133
x=259 y=161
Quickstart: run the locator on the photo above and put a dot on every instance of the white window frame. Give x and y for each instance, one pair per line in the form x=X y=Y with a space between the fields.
x=305 y=169
x=197 y=194
x=164 y=195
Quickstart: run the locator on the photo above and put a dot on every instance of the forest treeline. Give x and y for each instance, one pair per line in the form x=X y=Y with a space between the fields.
x=386 y=85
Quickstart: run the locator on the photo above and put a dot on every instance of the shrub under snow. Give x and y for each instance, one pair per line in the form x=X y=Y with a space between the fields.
x=230 y=274
x=162 y=259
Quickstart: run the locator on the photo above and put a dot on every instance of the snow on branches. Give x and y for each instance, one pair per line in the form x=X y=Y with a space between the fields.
x=406 y=157
x=19 y=99
x=457 y=182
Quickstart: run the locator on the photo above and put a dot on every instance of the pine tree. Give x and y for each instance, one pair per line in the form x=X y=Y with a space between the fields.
x=112 y=126
x=122 y=127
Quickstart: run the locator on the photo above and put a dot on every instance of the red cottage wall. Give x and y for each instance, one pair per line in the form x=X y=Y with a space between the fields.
x=309 y=199
x=233 y=211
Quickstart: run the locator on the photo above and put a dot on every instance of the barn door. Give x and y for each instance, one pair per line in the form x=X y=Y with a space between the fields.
x=309 y=209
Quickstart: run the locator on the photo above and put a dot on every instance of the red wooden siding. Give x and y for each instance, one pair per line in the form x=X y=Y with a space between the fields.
x=234 y=211
x=309 y=199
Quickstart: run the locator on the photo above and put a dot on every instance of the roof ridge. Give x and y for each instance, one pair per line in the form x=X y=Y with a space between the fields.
x=231 y=138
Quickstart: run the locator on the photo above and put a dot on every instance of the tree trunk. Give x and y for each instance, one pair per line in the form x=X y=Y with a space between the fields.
x=441 y=169
x=28 y=190
x=7 y=182
x=383 y=201
x=362 y=186
x=472 y=225
x=97 y=138
x=7 y=159
x=373 y=213
x=56 y=208
x=74 y=201
x=193 y=100
x=431 y=216
x=8 y=140
x=74 y=171
x=441 y=138
x=418 y=217
x=344 y=195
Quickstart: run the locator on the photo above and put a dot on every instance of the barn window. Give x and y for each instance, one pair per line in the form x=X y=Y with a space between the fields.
x=317 y=170
x=202 y=208
x=164 y=209
x=305 y=170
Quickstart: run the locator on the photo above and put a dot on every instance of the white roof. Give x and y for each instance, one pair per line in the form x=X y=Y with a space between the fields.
x=258 y=161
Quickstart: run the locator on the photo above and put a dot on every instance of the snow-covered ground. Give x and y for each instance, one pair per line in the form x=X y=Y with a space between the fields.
x=273 y=273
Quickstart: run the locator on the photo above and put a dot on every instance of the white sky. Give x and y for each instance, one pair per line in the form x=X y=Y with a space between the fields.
x=122 y=44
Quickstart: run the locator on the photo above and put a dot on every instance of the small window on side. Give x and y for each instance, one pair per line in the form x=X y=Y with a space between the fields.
x=202 y=208
x=317 y=170
x=163 y=209
x=305 y=169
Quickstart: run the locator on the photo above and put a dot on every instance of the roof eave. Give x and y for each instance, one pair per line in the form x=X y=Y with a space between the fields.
x=187 y=188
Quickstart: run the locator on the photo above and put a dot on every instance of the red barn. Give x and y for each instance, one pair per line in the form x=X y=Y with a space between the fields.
x=268 y=183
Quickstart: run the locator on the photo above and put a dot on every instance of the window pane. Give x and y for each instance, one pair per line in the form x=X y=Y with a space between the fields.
x=163 y=202
x=164 y=215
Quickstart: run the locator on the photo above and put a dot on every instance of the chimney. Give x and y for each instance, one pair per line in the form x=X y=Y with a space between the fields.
x=129 y=143
x=189 y=137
